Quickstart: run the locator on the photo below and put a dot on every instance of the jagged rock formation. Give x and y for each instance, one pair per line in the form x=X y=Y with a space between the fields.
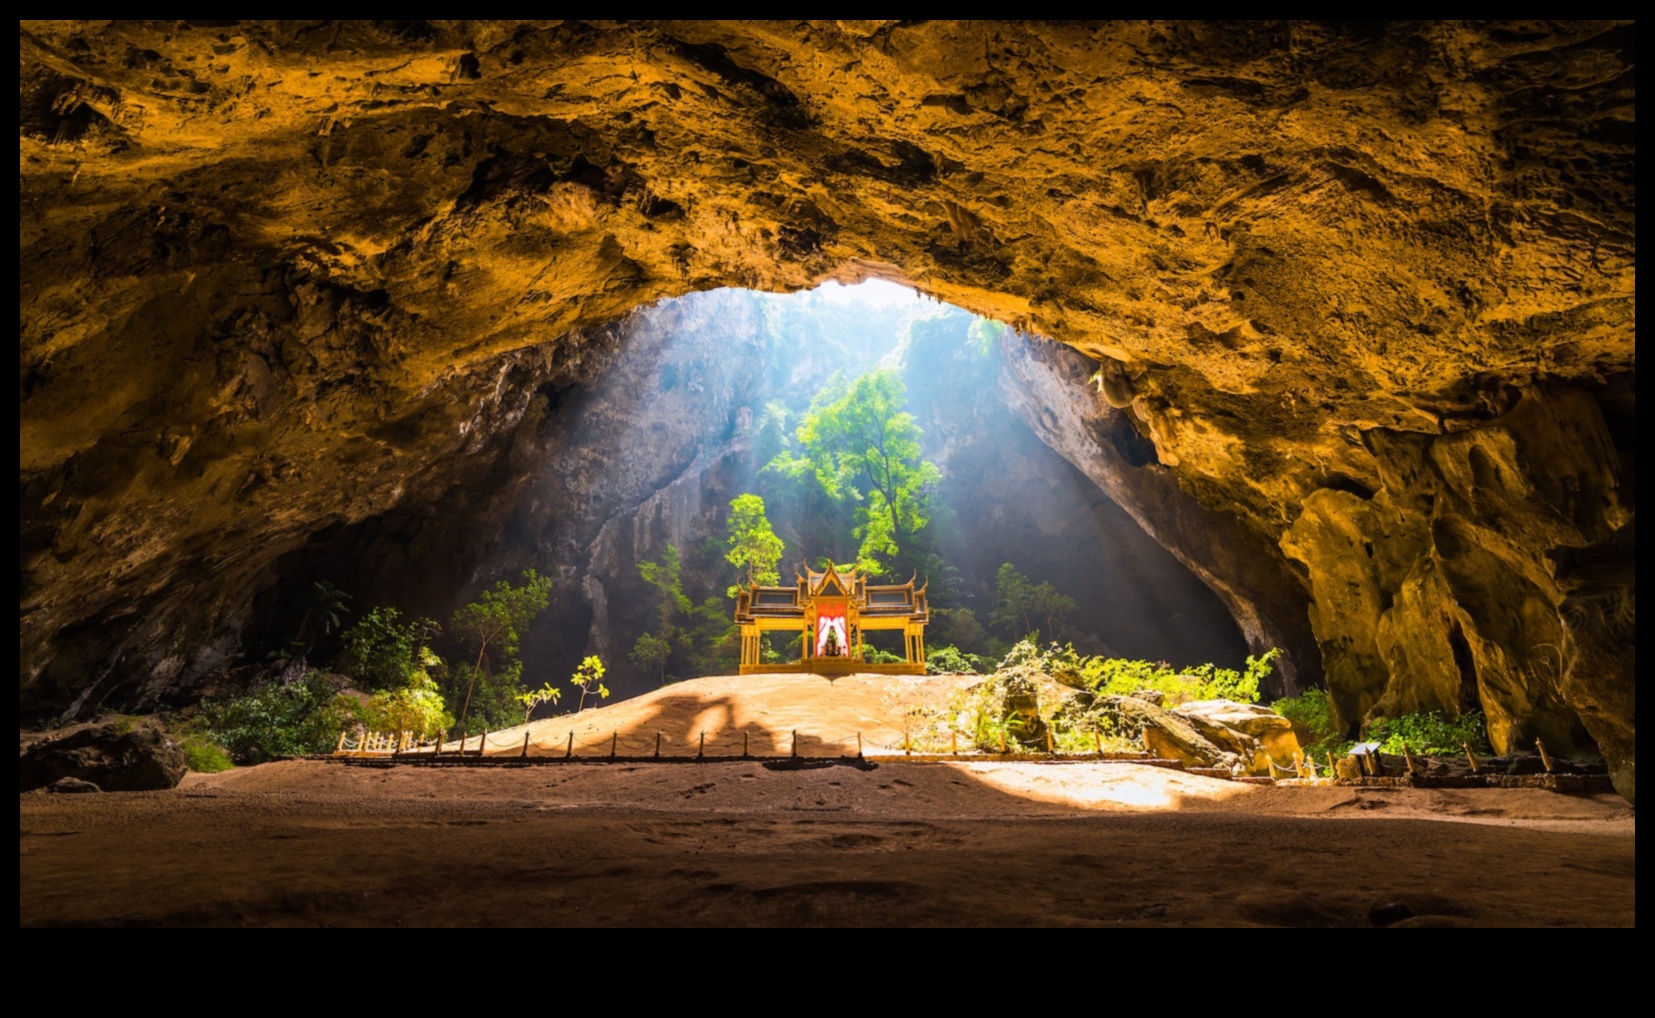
x=1368 y=289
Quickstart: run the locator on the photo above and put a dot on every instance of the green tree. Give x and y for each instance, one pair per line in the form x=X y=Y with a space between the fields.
x=382 y=652
x=753 y=546
x=1050 y=606
x=654 y=650
x=862 y=446
x=496 y=621
x=1013 y=613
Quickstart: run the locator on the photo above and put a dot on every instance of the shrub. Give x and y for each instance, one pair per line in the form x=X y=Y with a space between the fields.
x=277 y=719
x=1116 y=676
x=1430 y=733
x=202 y=754
x=875 y=656
x=951 y=659
x=417 y=707
x=1312 y=715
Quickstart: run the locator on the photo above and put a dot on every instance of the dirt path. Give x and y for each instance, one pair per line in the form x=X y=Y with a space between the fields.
x=734 y=844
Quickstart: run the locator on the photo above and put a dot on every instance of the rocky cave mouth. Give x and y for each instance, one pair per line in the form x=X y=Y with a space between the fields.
x=697 y=401
x=287 y=283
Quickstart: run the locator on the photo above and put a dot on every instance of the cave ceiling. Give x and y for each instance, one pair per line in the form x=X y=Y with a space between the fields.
x=1353 y=281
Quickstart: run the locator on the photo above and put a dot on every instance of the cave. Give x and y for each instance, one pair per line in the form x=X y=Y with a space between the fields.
x=1340 y=315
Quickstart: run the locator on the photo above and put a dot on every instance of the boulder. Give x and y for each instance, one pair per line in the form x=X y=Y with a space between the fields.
x=1246 y=728
x=71 y=786
x=115 y=757
x=1011 y=698
x=1165 y=734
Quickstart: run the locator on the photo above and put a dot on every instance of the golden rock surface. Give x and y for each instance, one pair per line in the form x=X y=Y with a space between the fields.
x=1369 y=291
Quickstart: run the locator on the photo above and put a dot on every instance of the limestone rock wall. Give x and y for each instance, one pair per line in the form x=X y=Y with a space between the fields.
x=277 y=276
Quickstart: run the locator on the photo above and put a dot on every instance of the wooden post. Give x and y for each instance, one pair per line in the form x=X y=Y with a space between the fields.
x=744 y=734
x=339 y=747
x=701 y=750
x=1002 y=742
x=1332 y=771
x=1048 y=738
x=657 y=745
x=907 y=744
x=954 y=742
x=569 y=749
x=1545 y=757
x=1298 y=764
x=614 y=740
x=1470 y=756
x=795 y=742
x=1408 y=755
x=482 y=743
x=525 y=744
x=1097 y=741
x=859 y=745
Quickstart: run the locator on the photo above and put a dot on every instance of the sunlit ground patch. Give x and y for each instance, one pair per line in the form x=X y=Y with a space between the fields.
x=1110 y=786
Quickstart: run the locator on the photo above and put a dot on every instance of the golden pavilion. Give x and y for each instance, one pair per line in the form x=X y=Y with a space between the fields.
x=830 y=610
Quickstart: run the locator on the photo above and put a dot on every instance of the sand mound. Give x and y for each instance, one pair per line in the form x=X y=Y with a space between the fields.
x=759 y=712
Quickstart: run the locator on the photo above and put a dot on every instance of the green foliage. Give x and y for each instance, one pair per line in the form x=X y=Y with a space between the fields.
x=1430 y=734
x=383 y=653
x=1002 y=710
x=277 y=719
x=1312 y=715
x=1020 y=606
x=752 y=546
x=653 y=650
x=492 y=696
x=983 y=334
x=588 y=678
x=948 y=658
x=547 y=693
x=958 y=627
x=327 y=607
x=202 y=754
x=860 y=445
x=497 y=620
x=415 y=707
x=875 y=656
x=712 y=638
x=1124 y=676
x=1010 y=614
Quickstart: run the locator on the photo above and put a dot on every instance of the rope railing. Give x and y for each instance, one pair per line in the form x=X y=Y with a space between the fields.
x=931 y=738
x=364 y=743
x=740 y=743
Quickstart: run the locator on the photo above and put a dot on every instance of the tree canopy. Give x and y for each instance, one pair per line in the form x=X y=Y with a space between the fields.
x=859 y=444
x=496 y=620
x=753 y=546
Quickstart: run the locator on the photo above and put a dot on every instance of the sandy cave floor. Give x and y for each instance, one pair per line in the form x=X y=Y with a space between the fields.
x=744 y=844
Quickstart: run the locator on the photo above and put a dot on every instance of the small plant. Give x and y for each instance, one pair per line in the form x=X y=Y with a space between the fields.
x=589 y=677
x=203 y=755
x=547 y=693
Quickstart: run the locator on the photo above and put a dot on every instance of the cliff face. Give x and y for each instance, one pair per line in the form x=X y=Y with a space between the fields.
x=1368 y=291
